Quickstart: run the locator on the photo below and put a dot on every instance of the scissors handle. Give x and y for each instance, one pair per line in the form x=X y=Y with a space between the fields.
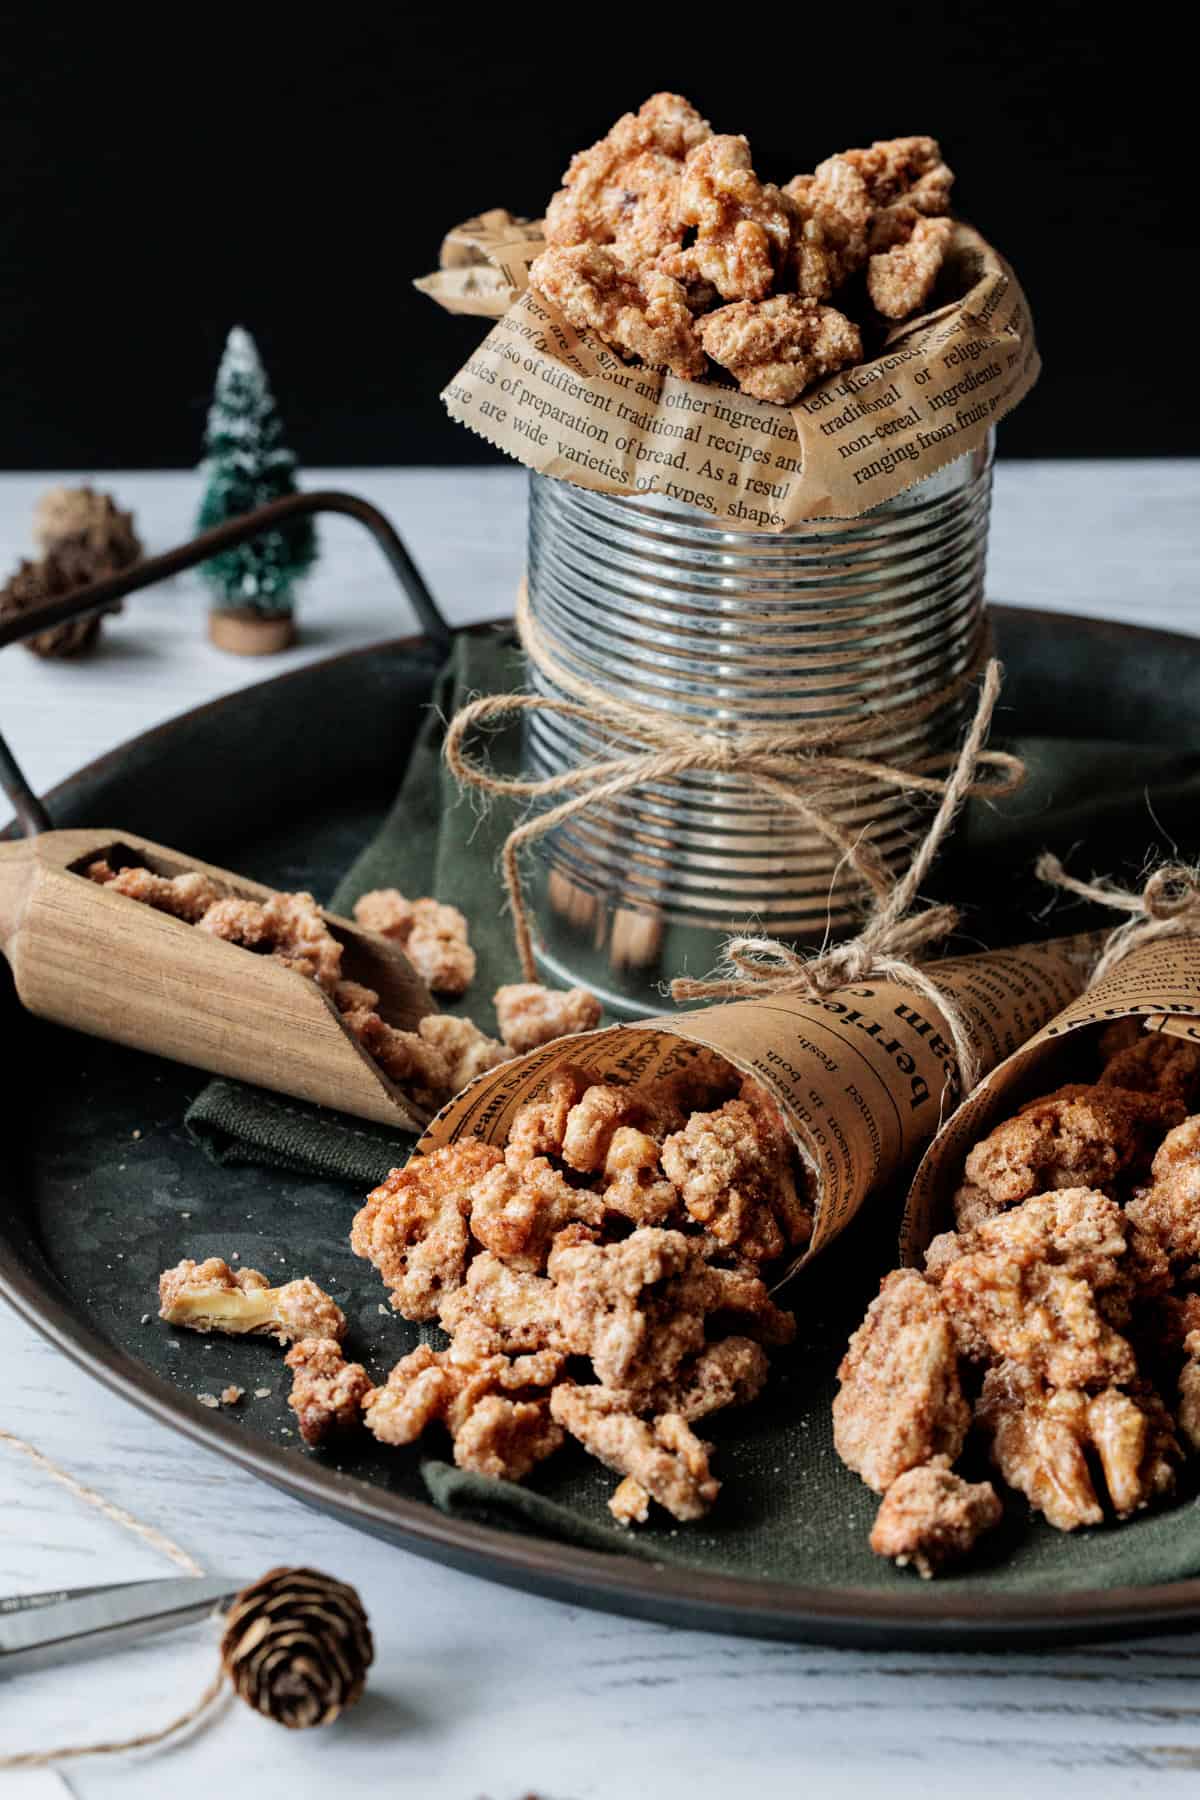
x=37 y=1630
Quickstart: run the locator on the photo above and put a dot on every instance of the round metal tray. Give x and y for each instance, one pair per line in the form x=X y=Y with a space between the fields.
x=89 y=1215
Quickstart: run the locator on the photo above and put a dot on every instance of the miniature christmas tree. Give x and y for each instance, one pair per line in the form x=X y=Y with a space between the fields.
x=246 y=465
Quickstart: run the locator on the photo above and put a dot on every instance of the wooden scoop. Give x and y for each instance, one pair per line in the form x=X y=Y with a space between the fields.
x=116 y=968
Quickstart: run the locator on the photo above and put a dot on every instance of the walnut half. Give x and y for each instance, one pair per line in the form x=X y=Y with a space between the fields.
x=210 y=1296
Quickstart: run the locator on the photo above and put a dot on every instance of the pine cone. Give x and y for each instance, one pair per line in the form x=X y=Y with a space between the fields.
x=36 y=583
x=297 y=1647
x=89 y=522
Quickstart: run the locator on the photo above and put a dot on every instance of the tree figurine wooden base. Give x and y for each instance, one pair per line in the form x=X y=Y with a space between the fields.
x=244 y=632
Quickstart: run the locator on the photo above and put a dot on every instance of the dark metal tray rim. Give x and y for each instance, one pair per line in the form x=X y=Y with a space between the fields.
x=930 y=1617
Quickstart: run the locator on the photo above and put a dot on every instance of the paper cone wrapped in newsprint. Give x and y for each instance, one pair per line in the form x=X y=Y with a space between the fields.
x=863 y=1077
x=562 y=403
x=1158 y=982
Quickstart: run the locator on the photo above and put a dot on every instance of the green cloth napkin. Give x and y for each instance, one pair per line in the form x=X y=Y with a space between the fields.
x=789 y=1509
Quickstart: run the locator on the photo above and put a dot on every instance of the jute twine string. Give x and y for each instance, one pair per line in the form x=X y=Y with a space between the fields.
x=1168 y=906
x=158 y=1540
x=794 y=765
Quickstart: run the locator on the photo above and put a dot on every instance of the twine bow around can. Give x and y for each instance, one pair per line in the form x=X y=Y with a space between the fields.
x=792 y=765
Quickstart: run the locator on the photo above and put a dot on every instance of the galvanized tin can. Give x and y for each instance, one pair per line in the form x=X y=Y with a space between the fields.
x=835 y=619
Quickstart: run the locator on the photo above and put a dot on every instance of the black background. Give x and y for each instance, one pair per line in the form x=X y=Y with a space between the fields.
x=292 y=171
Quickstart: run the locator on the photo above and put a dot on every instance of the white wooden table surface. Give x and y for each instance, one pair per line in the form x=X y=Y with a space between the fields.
x=478 y=1690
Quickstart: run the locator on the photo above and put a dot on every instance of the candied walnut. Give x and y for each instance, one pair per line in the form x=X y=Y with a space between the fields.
x=1038 y=1441
x=491 y=1405
x=406 y=1058
x=517 y=1213
x=665 y=1457
x=1188 y=1410
x=419 y=1390
x=1026 y=1290
x=508 y=1310
x=1134 y=1438
x=643 y=315
x=1168 y=1212
x=831 y=210
x=900 y=1402
x=972 y=1205
x=742 y=225
x=735 y=1178
x=791 y=1207
x=744 y=1298
x=327 y=1391
x=908 y=170
x=1078 y=1136
x=352 y=996
x=210 y=1296
x=506 y=1438
x=1041 y=1438
x=530 y=1015
x=626 y=1306
x=945 y=1249
x=930 y=1517
x=290 y=926
x=237 y=921
x=386 y=911
x=1156 y=1063
x=777 y=348
x=592 y=1124
x=467 y=1051
x=629 y=1503
x=186 y=896
x=623 y=190
x=432 y=935
x=901 y=279
x=636 y=1186
x=100 y=871
x=438 y=949
x=538 y=1127
x=731 y=1372
x=413 y=1227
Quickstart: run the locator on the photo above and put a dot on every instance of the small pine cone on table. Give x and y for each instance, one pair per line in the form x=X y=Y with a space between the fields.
x=90 y=523
x=36 y=584
x=297 y=1647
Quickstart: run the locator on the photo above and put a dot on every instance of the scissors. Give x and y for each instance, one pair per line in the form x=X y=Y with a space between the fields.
x=37 y=1630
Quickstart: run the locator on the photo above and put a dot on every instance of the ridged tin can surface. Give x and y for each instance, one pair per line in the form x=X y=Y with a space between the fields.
x=649 y=603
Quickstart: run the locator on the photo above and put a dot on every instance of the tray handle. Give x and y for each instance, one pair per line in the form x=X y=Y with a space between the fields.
x=98 y=595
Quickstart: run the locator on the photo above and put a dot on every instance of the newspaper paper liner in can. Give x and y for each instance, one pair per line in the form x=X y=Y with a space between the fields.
x=1160 y=983
x=563 y=404
x=863 y=1077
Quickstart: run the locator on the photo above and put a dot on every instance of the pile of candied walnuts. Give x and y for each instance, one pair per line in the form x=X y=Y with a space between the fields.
x=1059 y=1323
x=600 y=1276
x=430 y=1064
x=665 y=243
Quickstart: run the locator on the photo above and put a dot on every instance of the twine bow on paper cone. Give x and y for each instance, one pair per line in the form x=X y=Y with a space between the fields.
x=792 y=765
x=1168 y=906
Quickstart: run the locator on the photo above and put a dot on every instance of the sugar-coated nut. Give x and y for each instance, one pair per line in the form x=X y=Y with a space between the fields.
x=530 y=1015
x=210 y=1296
x=930 y=1517
x=900 y=1402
